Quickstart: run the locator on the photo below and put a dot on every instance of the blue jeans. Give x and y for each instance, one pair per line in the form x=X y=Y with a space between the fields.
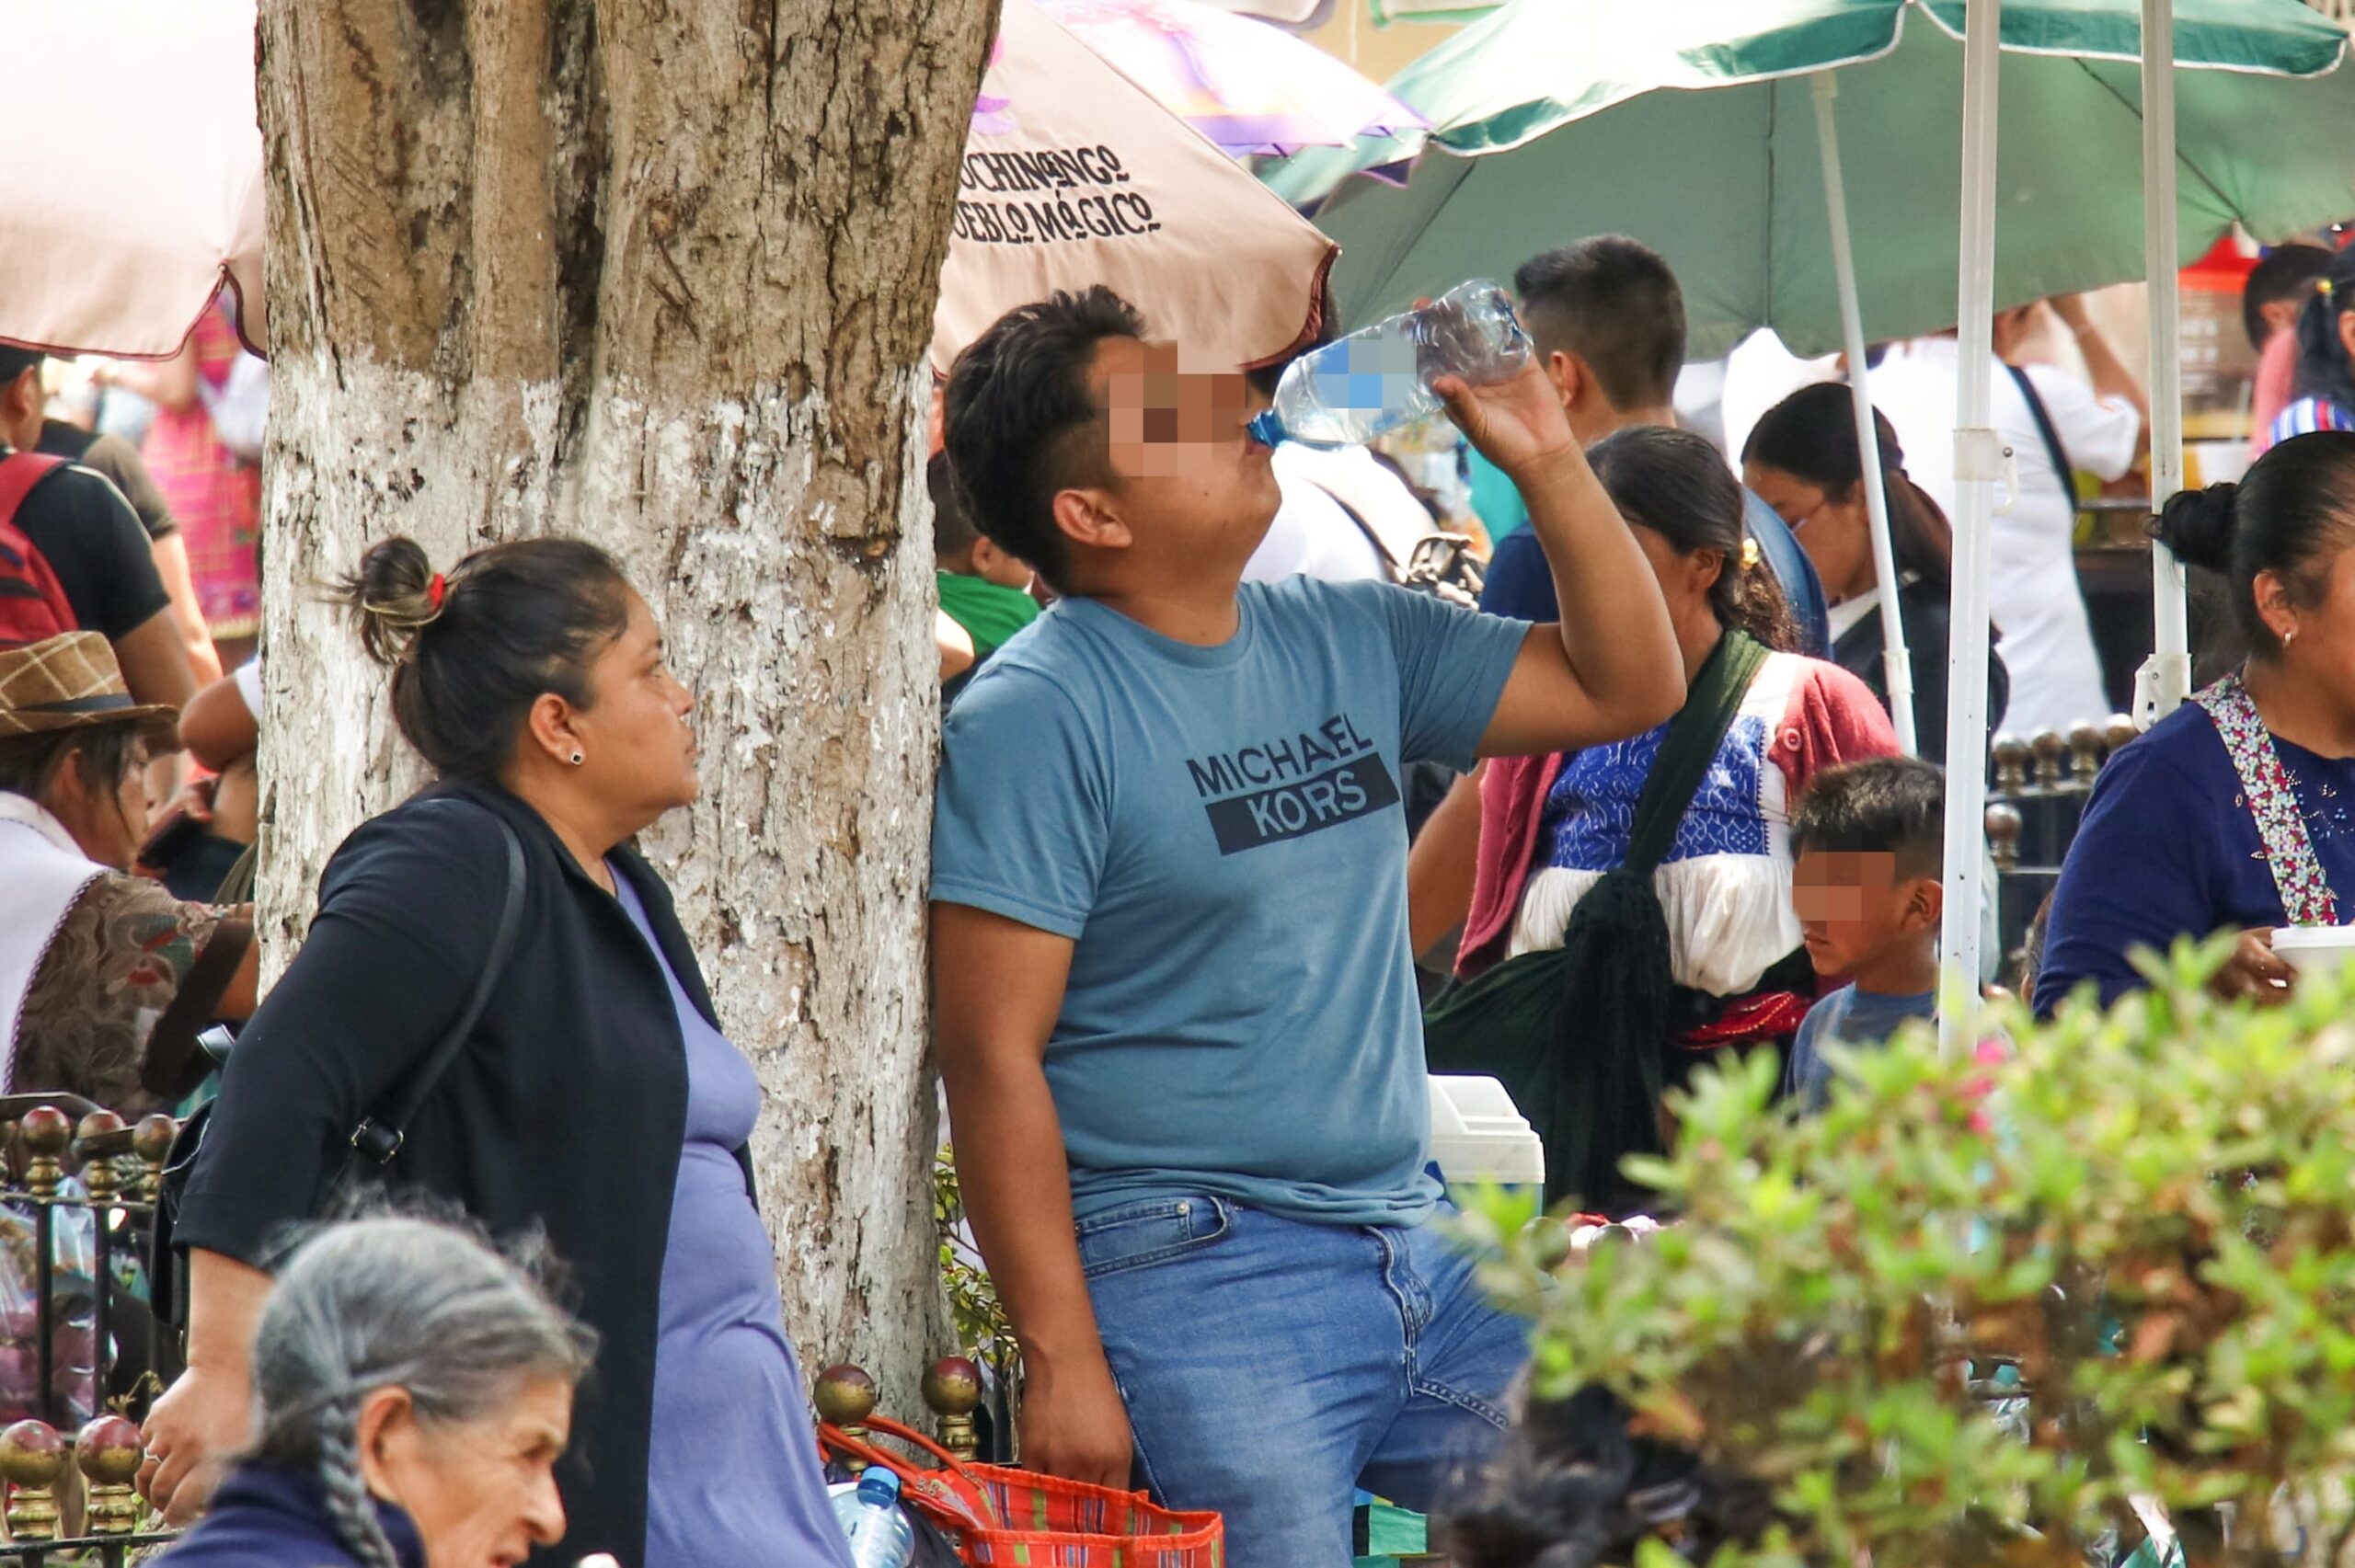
x=1271 y=1367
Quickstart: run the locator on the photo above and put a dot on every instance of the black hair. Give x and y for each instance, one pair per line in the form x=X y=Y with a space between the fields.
x=2292 y=514
x=516 y=621
x=1575 y=1489
x=1613 y=303
x=2323 y=370
x=2286 y=272
x=1675 y=484
x=1881 y=806
x=103 y=754
x=1020 y=418
x=15 y=361
x=952 y=526
x=1811 y=435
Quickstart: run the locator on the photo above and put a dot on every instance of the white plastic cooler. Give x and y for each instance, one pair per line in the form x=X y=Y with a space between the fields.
x=1478 y=1135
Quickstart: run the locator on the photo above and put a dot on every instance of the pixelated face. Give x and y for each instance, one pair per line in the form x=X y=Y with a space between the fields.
x=1168 y=412
x=1191 y=477
x=1851 y=905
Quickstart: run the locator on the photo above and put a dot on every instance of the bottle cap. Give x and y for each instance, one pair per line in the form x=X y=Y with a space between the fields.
x=1266 y=429
x=879 y=1484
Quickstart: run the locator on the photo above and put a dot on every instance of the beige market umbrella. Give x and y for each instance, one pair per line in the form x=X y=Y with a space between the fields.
x=131 y=174
x=122 y=214
x=1074 y=174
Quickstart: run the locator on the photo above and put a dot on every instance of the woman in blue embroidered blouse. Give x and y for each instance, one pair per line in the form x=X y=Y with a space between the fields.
x=2236 y=812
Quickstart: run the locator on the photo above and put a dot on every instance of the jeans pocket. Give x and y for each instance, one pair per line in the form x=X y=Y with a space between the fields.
x=1135 y=1235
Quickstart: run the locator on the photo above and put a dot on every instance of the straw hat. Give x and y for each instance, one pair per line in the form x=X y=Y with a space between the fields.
x=72 y=682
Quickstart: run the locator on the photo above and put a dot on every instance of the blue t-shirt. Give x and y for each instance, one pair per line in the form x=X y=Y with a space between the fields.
x=1218 y=831
x=2167 y=849
x=1519 y=583
x=1848 y=1017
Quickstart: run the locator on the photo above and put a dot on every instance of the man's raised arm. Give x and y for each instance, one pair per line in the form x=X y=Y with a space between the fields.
x=1611 y=668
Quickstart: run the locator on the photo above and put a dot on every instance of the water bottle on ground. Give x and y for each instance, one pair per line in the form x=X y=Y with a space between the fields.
x=1375 y=381
x=879 y=1535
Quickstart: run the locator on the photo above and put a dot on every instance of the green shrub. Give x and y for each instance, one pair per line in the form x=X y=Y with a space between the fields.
x=2144 y=1230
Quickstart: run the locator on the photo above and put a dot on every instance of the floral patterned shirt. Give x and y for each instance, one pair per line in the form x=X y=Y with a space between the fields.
x=113 y=969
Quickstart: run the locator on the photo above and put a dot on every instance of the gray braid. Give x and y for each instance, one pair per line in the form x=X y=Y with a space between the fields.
x=407 y=1303
x=349 y=1501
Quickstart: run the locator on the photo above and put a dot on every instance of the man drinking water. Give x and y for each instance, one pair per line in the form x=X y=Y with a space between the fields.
x=1176 y=1009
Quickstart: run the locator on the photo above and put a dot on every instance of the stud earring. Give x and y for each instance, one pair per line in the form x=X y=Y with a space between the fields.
x=577 y=758
x=2289 y=637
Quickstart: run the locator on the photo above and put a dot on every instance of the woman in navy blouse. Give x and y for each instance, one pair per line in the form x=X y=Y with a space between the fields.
x=2171 y=845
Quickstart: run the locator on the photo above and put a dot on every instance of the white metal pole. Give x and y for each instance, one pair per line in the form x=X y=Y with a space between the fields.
x=1897 y=662
x=2166 y=681
x=1979 y=467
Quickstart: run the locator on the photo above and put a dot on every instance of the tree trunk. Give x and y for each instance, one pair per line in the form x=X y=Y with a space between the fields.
x=658 y=273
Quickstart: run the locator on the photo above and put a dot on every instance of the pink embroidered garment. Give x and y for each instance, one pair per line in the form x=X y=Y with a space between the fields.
x=216 y=498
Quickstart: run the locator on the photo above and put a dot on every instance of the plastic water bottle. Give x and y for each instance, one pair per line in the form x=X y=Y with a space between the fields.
x=868 y=1512
x=1373 y=381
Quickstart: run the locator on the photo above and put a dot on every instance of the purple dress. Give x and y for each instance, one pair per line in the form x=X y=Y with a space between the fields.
x=732 y=1473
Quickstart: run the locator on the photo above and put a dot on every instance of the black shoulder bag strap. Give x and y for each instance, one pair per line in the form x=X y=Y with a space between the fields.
x=1609 y=983
x=375 y=1142
x=1690 y=747
x=378 y=1138
x=2053 y=449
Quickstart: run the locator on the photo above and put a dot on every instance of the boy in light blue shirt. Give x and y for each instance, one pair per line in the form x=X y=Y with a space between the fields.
x=1176 y=1009
x=1869 y=850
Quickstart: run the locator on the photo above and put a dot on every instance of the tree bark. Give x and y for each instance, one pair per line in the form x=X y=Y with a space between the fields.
x=658 y=273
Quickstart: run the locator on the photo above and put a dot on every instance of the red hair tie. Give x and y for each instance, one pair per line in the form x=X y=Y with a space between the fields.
x=436 y=592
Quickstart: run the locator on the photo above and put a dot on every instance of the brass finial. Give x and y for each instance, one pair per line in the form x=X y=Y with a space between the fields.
x=2085 y=754
x=2003 y=836
x=952 y=1390
x=2049 y=748
x=47 y=1133
x=98 y=1173
x=32 y=1456
x=2117 y=732
x=153 y=1140
x=108 y=1453
x=845 y=1396
x=2011 y=764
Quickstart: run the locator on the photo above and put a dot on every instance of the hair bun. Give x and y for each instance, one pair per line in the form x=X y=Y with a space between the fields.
x=393 y=595
x=2198 y=525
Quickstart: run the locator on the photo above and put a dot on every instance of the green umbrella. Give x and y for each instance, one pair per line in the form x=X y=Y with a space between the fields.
x=1683 y=125
x=1690 y=126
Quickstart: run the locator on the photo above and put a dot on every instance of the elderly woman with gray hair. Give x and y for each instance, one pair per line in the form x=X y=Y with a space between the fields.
x=414 y=1389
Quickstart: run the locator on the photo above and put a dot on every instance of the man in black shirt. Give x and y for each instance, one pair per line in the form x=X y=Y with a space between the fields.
x=92 y=540
x=23 y=428
x=110 y=456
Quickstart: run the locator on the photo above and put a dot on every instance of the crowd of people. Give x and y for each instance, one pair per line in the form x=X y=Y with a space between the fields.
x=1754 y=868
x=1238 y=835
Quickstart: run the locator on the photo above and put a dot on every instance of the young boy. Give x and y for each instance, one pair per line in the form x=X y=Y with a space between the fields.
x=1869 y=842
x=983 y=588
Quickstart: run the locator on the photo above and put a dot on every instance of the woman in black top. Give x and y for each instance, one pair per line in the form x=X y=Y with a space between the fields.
x=1802 y=460
x=533 y=681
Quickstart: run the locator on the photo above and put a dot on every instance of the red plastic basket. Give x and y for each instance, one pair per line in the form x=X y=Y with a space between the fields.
x=998 y=1518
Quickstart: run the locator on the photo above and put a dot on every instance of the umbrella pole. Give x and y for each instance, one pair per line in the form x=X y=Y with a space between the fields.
x=2166 y=681
x=1979 y=467
x=1897 y=661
